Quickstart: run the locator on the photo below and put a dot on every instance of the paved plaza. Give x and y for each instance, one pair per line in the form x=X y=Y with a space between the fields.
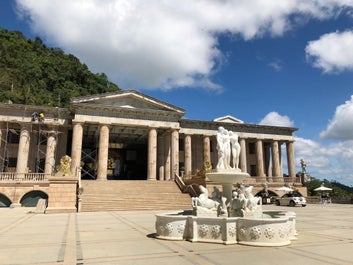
x=325 y=237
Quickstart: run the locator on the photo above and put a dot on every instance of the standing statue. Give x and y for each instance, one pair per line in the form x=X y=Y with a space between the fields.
x=227 y=147
x=303 y=165
x=235 y=149
x=220 y=148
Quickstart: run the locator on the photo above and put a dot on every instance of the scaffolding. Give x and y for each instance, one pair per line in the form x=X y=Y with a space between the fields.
x=9 y=132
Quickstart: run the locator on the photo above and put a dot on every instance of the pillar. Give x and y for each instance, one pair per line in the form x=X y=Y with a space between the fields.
x=2 y=147
x=243 y=162
x=188 y=160
x=160 y=157
x=275 y=159
x=206 y=149
x=167 y=154
x=290 y=160
x=259 y=159
x=152 y=154
x=103 y=152
x=50 y=153
x=175 y=153
x=76 y=149
x=23 y=150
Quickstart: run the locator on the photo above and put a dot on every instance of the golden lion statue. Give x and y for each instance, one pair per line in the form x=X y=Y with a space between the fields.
x=64 y=167
x=206 y=168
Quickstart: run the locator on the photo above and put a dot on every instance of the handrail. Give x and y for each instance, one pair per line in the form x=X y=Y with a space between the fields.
x=186 y=188
x=23 y=177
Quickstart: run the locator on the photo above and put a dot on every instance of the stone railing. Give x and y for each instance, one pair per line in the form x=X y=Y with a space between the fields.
x=23 y=177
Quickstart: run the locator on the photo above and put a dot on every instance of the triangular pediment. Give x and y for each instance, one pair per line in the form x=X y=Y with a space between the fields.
x=126 y=99
x=228 y=119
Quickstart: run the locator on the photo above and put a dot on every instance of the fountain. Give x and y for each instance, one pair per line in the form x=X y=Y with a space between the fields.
x=228 y=217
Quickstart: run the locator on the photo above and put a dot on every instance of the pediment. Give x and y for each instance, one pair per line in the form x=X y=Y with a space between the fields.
x=125 y=99
x=228 y=119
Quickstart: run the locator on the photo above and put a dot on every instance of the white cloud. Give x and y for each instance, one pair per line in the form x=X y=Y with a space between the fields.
x=326 y=161
x=333 y=52
x=341 y=126
x=275 y=119
x=163 y=44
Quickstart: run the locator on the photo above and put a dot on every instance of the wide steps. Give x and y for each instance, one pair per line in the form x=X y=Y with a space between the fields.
x=120 y=195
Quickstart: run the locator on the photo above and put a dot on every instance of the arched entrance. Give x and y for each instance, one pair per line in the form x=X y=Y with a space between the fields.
x=4 y=201
x=31 y=198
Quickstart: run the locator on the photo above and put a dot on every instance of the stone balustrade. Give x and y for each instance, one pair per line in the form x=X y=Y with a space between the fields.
x=23 y=177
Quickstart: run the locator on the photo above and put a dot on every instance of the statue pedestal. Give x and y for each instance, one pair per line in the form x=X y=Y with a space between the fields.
x=62 y=194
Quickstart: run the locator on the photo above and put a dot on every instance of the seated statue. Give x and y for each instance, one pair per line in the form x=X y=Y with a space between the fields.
x=64 y=167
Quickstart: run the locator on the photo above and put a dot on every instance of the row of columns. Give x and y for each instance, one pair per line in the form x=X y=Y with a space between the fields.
x=163 y=149
x=163 y=153
x=24 y=150
x=274 y=154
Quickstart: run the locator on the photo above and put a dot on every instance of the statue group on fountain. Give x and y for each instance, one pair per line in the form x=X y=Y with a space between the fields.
x=243 y=203
x=227 y=147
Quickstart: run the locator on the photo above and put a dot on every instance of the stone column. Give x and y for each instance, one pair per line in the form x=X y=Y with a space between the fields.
x=206 y=149
x=175 y=153
x=50 y=153
x=275 y=159
x=188 y=160
x=290 y=160
x=259 y=158
x=280 y=160
x=167 y=154
x=23 y=151
x=160 y=157
x=243 y=162
x=152 y=154
x=103 y=152
x=267 y=160
x=2 y=153
x=76 y=148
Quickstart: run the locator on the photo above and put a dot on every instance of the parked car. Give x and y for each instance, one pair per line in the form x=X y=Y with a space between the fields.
x=291 y=199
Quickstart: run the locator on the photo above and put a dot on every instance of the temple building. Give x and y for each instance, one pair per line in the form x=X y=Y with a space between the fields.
x=127 y=135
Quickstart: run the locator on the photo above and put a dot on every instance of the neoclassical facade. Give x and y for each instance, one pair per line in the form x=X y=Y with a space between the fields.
x=130 y=135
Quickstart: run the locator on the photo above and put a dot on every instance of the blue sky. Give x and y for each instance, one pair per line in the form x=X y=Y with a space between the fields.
x=287 y=63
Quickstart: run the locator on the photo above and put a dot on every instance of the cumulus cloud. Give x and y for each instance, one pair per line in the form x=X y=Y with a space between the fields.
x=330 y=161
x=275 y=119
x=333 y=52
x=163 y=44
x=341 y=125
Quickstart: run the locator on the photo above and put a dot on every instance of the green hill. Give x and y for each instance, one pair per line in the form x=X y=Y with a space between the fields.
x=31 y=73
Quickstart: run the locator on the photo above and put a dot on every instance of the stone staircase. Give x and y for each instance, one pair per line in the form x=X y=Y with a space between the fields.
x=120 y=195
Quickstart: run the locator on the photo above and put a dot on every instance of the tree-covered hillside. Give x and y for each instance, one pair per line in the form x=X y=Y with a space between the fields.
x=31 y=73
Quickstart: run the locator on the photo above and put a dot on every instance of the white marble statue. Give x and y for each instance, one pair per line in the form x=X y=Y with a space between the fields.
x=235 y=149
x=203 y=205
x=220 y=148
x=244 y=203
x=203 y=200
x=227 y=147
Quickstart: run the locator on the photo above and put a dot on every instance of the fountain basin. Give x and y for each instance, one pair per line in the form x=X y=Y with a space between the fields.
x=227 y=176
x=274 y=229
